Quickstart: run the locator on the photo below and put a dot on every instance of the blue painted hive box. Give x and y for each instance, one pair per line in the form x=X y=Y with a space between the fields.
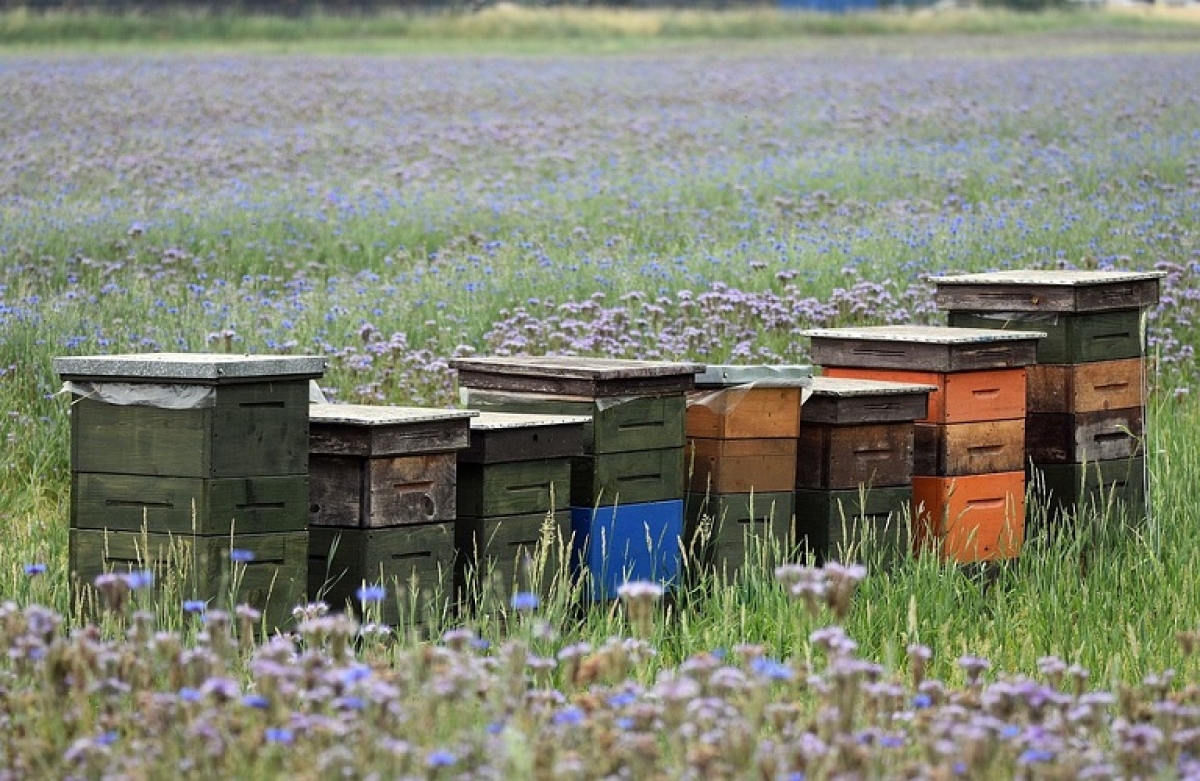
x=617 y=544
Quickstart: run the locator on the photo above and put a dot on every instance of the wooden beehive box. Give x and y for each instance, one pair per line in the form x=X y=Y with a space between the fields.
x=969 y=448
x=731 y=466
x=923 y=348
x=1062 y=438
x=377 y=466
x=1116 y=487
x=624 y=478
x=620 y=543
x=970 y=518
x=858 y=524
x=518 y=464
x=193 y=567
x=1048 y=291
x=727 y=532
x=1070 y=338
x=1087 y=387
x=189 y=414
x=500 y=556
x=573 y=376
x=957 y=397
x=747 y=402
x=613 y=425
x=415 y=565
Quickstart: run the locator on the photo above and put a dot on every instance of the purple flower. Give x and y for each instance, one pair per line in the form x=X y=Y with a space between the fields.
x=367 y=594
x=440 y=758
x=139 y=579
x=34 y=569
x=279 y=735
x=525 y=601
x=570 y=715
x=194 y=606
x=256 y=701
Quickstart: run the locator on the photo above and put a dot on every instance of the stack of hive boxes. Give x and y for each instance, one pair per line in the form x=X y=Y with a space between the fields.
x=743 y=424
x=514 y=489
x=968 y=464
x=177 y=459
x=854 y=476
x=383 y=506
x=627 y=489
x=1086 y=395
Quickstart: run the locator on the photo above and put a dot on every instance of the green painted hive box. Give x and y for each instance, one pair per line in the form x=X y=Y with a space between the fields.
x=414 y=564
x=1116 y=487
x=870 y=525
x=270 y=573
x=577 y=376
x=1070 y=338
x=498 y=557
x=380 y=466
x=728 y=533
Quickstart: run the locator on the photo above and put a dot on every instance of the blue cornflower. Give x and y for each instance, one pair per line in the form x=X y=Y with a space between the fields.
x=622 y=699
x=139 y=579
x=771 y=669
x=241 y=555
x=279 y=735
x=1034 y=756
x=922 y=701
x=256 y=701
x=525 y=601
x=571 y=715
x=440 y=758
x=107 y=738
x=624 y=722
x=194 y=606
x=495 y=728
x=188 y=694
x=34 y=569
x=371 y=594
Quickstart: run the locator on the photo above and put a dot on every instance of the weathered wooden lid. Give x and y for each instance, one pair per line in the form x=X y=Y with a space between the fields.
x=724 y=376
x=1049 y=291
x=923 y=347
x=378 y=415
x=188 y=368
x=496 y=421
x=847 y=387
x=570 y=375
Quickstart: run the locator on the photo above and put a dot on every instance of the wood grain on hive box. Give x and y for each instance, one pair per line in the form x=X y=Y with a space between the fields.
x=1070 y=338
x=731 y=466
x=834 y=524
x=923 y=348
x=850 y=401
x=1048 y=290
x=970 y=518
x=959 y=397
x=624 y=478
x=1087 y=387
x=502 y=555
x=722 y=530
x=514 y=487
x=614 y=425
x=835 y=457
x=591 y=377
x=1060 y=438
x=379 y=492
x=368 y=431
x=500 y=437
x=969 y=448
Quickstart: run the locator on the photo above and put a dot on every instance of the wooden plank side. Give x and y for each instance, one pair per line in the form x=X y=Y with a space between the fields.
x=1070 y=338
x=831 y=403
x=1071 y=492
x=182 y=505
x=514 y=487
x=1048 y=291
x=1087 y=387
x=628 y=478
x=960 y=397
x=1057 y=438
x=840 y=457
x=933 y=356
x=734 y=533
x=969 y=448
x=338 y=489
x=970 y=518
x=663 y=385
x=427 y=436
x=140 y=440
x=528 y=443
x=418 y=489
x=732 y=466
x=260 y=429
x=503 y=555
x=414 y=564
x=744 y=413
x=871 y=525
x=199 y=568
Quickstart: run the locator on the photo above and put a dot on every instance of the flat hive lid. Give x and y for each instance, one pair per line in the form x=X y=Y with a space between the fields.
x=924 y=334
x=1048 y=290
x=501 y=421
x=923 y=347
x=188 y=368
x=846 y=387
x=370 y=415
x=726 y=375
x=570 y=375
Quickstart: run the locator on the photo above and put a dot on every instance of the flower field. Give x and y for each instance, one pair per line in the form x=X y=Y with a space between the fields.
x=703 y=202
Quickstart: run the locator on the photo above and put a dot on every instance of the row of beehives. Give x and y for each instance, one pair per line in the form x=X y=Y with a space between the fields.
x=210 y=452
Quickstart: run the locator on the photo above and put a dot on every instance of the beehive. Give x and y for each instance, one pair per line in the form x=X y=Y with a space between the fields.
x=206 y=449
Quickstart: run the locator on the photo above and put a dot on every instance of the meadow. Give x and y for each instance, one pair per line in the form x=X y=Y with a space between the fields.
x=698 y=198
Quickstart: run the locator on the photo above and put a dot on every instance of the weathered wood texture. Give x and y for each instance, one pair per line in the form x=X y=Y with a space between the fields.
x=499 y=437
x=257 y=429
x=373 y=431
x=189 y=567
x=1102 y=336
x=189 y=505
x=591 y=377
x=1076 y=492
x=414 y=564
x=735 y=466
x=969 y=448
x=356 y=492
x=514 y=487
x=839 y=401
x=970 y=518
x=1048 y=291
x=625 y=478
x=836 y=457
x=855 y=525
x=744 y=413
x=616 y=544
x=503 y=555
x=923 y=348
x=617 y=425
x=960 y=397
x=1059 y=438
x=189 y=368
x=730 y=533
x=1087 y=387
